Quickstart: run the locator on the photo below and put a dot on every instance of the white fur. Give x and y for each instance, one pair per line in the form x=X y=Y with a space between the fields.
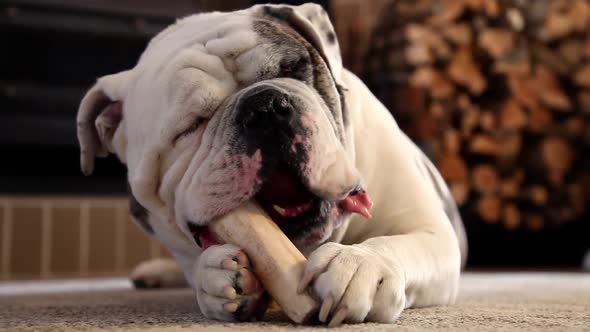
x=406 y=256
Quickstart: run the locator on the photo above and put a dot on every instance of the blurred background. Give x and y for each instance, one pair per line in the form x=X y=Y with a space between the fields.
x=496 y=92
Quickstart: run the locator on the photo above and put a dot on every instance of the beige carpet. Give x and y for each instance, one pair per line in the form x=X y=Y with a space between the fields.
x=492 y=302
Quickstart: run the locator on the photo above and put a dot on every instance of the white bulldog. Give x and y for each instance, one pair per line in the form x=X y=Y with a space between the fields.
x=255 y=105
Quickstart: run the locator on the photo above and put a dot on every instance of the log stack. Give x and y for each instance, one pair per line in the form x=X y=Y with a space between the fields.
x=497 y=92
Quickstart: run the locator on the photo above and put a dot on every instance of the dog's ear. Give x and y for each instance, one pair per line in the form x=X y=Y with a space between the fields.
x=99 y=115
x=312 y=22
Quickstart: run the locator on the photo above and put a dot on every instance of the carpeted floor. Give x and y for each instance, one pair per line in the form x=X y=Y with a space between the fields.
x=488 y=301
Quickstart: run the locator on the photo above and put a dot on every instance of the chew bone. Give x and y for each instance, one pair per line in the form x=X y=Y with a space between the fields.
x=275 y=260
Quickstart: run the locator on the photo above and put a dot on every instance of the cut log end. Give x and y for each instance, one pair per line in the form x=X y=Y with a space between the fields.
x=485 y=179
x=511 y=216
x=489 y=208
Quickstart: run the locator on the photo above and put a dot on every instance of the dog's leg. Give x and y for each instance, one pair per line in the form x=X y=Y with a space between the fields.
x=377 y=279
x=158 y=273
x=408 y=255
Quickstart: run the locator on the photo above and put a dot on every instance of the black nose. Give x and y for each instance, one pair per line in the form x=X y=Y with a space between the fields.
x=264 y=110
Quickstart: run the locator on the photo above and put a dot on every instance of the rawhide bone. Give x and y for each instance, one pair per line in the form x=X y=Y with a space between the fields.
x=275 y=260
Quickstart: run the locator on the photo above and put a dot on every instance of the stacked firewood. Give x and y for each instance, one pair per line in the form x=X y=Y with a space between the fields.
x=497 y=92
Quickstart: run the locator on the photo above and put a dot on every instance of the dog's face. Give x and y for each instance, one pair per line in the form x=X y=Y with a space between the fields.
x=226 y=107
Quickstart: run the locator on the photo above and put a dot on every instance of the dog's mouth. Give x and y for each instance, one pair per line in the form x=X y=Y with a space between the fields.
x=284 y=197
x=294 y=208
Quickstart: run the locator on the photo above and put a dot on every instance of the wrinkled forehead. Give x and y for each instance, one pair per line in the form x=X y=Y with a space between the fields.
x=248 y=46
x=219 y=34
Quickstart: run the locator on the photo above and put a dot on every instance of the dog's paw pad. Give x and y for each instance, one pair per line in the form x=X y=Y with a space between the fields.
x=246 y=283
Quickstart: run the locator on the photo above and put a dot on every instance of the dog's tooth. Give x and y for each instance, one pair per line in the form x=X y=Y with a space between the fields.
x=280 y=210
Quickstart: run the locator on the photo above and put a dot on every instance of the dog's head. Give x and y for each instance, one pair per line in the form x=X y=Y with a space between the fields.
x=226 y=107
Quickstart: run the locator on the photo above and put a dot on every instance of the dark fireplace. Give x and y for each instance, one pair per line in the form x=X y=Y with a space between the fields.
x=53 y=51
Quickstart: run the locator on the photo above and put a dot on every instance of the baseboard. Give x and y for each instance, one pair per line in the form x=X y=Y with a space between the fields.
x=45 y=237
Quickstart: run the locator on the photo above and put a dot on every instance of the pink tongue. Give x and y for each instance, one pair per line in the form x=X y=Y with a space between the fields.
x=358 y=203
x=207 y=239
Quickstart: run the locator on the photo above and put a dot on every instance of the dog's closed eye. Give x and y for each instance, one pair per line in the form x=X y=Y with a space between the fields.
x=294 y=69
x=191 y=129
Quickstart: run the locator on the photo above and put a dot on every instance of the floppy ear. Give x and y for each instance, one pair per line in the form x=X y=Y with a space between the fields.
x=313 y=23
x=99 y=115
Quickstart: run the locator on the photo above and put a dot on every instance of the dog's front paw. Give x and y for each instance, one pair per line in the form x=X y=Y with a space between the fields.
x=225 y=286
x=354 y=285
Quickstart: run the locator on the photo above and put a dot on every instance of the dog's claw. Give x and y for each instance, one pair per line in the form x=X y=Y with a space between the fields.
x=242 y=259
x=326 y=307
x=231 y=307
x=339 y=317
x=229 y=264
x=305 y=280
x=229 y=292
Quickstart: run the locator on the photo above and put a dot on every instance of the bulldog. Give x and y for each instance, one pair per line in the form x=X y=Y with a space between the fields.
x=226 y=107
